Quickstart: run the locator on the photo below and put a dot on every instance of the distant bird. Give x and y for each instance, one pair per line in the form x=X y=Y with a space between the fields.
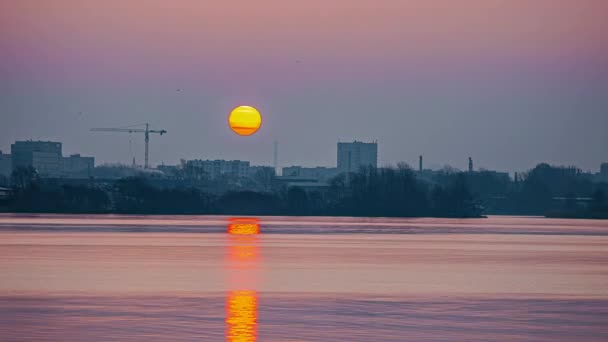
x=178 y=90
x=298 y=61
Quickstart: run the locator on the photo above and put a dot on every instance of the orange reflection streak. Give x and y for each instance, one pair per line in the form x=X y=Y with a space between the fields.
x=243 y=256
x=243 y=226
x=241 y=316
x=242 y=304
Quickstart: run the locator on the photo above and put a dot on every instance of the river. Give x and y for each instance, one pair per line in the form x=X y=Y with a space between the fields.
x=214 y=278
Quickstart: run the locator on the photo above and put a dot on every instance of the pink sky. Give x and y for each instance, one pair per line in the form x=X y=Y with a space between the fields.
x=324 y=55
x=164 y=37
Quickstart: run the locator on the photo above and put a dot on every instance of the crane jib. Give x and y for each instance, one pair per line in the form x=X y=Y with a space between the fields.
x=146 y=132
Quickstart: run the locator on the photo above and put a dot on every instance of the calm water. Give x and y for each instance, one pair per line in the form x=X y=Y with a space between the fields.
x=195 y=278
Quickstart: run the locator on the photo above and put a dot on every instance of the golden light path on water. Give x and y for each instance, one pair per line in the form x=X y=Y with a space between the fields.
x=241 y=317
x=242 y=299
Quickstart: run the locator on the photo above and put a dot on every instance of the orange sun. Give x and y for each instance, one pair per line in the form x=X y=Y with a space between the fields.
x=245 y=120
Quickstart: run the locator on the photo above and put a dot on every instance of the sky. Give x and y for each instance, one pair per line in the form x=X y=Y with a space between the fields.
x=510 y=83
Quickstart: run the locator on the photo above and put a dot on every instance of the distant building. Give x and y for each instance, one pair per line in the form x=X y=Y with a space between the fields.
x=214 y=168
x=5 y=193
x=318 y=173
x=261 y=168
x=6 y=164
x=353 y=156
x=504 y=176
x=169 y=170
x=44 y=156
x=303 y=183
x=603 y=175
x=427 y=174
x=76 y=166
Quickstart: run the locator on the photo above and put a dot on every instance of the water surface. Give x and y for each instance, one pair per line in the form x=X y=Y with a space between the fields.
x=186 y=278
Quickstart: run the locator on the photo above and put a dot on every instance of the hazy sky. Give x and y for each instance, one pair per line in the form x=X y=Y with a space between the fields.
x=508 y=82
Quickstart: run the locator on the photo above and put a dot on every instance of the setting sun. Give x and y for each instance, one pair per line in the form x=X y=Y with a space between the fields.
x=245 y=120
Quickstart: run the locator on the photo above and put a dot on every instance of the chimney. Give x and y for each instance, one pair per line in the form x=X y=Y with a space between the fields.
x=420 y=163
x=470 y=164
x=276 y=158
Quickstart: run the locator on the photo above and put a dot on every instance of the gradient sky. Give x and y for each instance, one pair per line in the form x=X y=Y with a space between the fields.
x=508 y=82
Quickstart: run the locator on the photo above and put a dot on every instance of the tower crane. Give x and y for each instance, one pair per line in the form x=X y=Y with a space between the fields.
x=146 y=133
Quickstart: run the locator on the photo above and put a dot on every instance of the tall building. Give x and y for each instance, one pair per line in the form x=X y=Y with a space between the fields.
x=214 y=168
x=603 y=175
x=5 y=164
x=355 y=155
x=44 y=156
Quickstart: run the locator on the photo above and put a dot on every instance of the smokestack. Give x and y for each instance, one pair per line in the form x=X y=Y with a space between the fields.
x=276 y=158
x=470 y=164
x=420 y=163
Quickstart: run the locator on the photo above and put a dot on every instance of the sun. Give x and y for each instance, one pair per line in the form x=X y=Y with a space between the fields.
x=245 y=120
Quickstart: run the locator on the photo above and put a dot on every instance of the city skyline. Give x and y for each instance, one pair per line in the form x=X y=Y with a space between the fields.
x=511 y=84
x=48 y=159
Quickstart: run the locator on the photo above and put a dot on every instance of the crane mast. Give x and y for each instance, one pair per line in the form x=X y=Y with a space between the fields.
x=147 y=139
x=145 y=131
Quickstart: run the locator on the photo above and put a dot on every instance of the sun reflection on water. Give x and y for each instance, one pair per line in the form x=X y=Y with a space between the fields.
x=241 y=316
x=242 y=301
x=243 y=226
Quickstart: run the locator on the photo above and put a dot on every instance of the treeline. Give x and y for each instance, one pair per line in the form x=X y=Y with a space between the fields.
x=29 y=194
x=545 y=190
x=391 y=192
x=397 y=192
x=387 y=192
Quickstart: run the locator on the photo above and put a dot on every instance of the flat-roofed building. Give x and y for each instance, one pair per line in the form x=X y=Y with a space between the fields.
x=354 y=155
x=44 y=156
x=215 y=168
x=77 y=166
x=6 y=164
x=602 y=176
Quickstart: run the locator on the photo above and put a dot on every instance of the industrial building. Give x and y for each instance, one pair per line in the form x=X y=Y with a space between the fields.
x=355 y=155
